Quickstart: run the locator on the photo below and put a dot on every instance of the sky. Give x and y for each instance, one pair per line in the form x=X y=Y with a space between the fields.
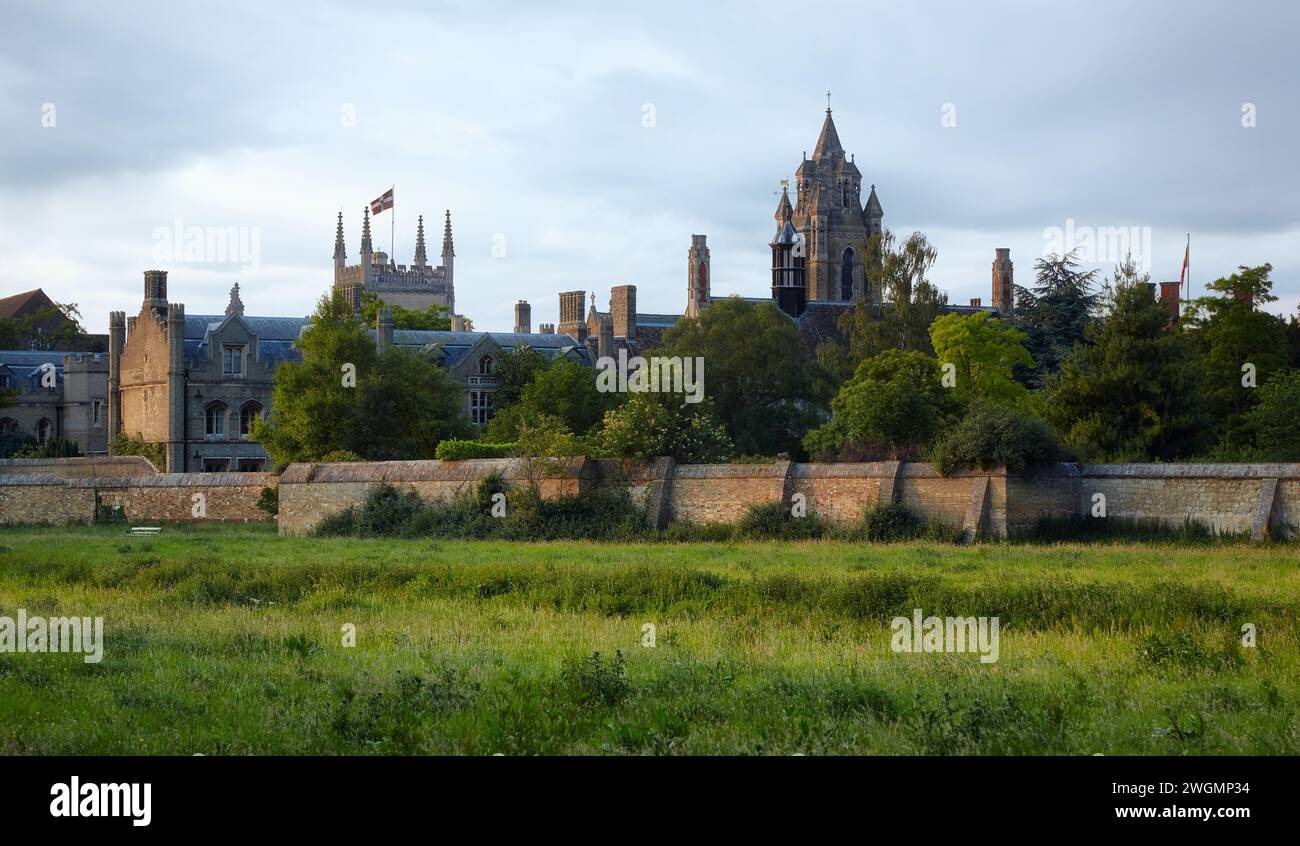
x=579 y=146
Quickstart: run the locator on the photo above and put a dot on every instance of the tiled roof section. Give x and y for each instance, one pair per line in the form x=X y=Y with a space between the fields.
x=820 y=323
x=20 y=304
x=456 y=344
x=662 y=321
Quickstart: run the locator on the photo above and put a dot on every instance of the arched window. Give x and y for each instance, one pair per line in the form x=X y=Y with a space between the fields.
x=846 y=275
x=215 y=420
x=44 y=431
x=486 y=366
x=250 y=411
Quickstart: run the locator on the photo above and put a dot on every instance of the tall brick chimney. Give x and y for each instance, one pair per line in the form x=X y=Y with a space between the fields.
x=1169 y=296
x=1003 y=282
x=573 y=315
x=523 y=317
x=622 y=308
x=383 y=330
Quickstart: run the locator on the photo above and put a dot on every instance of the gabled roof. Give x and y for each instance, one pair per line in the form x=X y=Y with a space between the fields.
x=24 y=303
x=872 y=208
x=275 y=336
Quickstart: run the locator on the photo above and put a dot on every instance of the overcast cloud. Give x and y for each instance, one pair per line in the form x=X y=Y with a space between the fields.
x=528 y=122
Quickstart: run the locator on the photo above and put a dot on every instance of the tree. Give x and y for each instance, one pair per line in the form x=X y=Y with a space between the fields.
x=343 y=397
x=650 y=424
x=983 y=353
x=407 y=407
x=1056 y=313
x=566 y=391
x=1230 y=334
x=1132 y=391
x=516 y=370
x=754 y=372
x=990 y=436
x=909 y=304
x=894 y=402
x=434 y=317
x=1273 y=423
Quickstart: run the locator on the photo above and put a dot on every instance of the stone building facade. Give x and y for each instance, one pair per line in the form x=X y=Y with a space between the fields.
x=56 y=395
x=195 y=382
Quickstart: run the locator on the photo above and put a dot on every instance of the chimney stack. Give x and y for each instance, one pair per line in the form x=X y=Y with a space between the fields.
x=622 y=308
x=1169 y=296
x=1003 y=283
x=523 y=317
x=383 y=330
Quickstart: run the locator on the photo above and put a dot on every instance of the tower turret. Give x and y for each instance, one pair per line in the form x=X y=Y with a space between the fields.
x=697 y=275
x=448 y=257
x=421 y=259
x=340 y=252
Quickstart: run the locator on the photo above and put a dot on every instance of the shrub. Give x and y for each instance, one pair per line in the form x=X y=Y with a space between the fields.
x=455 y=449
x=1056 y=529
x=990 y=436
x=387 y=511
x=156 y=452
x=269 y=500
x=593 y=682
x=340 y=456
x=891 y=522
x=774 y=521
x=53 y=448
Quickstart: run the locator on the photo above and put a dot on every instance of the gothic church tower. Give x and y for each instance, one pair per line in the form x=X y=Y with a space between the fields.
x=832 y=224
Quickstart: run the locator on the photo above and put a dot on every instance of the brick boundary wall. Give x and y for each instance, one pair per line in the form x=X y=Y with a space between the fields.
x=90 y=467
x=1263 y=499
x=1260 y=499
x=162 y=497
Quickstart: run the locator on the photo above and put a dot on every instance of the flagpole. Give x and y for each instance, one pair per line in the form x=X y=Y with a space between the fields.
x=1189 y=265
x=392 y=228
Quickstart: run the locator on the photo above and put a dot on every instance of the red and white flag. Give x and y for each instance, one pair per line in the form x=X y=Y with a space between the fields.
x=385 y=201
x=1187 y=259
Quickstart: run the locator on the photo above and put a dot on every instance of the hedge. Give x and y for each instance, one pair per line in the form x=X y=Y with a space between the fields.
x=455 y=449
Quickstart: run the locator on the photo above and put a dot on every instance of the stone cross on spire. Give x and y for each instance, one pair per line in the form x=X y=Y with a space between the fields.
x=236 y=306
x=421 y=259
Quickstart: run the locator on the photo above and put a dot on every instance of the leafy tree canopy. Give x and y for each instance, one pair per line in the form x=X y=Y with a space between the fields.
x=983 y=352
x=754 y=372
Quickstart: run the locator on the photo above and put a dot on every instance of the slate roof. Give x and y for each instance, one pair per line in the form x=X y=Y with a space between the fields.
x=456 y=344
x=275 y=336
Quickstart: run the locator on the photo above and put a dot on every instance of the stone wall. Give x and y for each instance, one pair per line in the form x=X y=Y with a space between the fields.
x=1261 y=499
x=309 y=492
x=80 y=468
x=162 y=497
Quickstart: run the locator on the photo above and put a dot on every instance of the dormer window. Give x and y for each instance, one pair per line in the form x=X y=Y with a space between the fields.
x=232 y=360
x=486 y=366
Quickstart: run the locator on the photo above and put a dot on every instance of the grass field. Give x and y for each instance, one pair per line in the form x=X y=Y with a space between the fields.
x=228 y=640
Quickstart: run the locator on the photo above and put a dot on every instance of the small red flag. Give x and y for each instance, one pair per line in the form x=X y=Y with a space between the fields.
x=385 y=201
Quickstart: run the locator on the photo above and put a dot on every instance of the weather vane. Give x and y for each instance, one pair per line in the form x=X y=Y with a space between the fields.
x=828 y=100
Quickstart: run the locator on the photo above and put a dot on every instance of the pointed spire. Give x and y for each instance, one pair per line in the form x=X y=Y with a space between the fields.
x=783 y=209
x=447 y=248
x=236 y=306
x=828 y=143
x=366 y=248
x=421 y=259
x=340 y=254
x=873 y=208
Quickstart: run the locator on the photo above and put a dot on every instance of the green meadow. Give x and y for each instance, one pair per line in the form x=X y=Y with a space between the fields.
x=230 y=640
